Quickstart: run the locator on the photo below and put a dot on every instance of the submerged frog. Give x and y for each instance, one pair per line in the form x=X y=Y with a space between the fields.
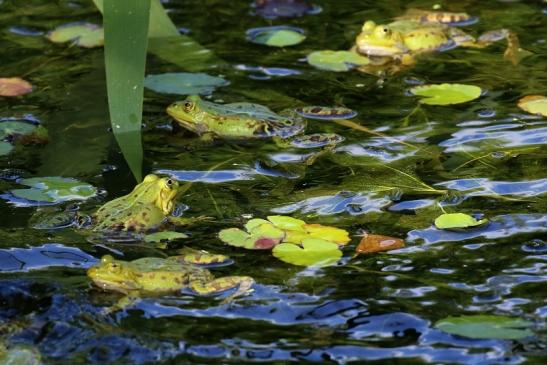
x=397 y=43
x=156 y=276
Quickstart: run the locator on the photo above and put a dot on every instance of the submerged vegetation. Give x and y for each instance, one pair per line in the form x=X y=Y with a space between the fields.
x=330 y=181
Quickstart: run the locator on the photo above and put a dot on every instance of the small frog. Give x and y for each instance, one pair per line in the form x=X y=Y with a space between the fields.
x=397 y=43
x=155 y=276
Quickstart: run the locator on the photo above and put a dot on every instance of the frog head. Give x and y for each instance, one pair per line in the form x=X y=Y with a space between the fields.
x=111 y=274
x=188 y=113
x=379 y=40
x=158 y=191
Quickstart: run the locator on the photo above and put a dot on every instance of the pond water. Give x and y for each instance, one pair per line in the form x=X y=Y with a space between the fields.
x=485 y=158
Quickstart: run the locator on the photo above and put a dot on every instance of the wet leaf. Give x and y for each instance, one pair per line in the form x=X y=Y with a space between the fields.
x=534 y=104
x=86 y=35
x=163 y=236
x=253 y=223
x=263 y=237
x=486 y=327
x=184 y=83
x=328 y=233
x=5 y=148
x=54 y=189
x=14 y=86
x=446 y=94
x=371 y=243
x=326 y=112
x=285 y=222
x=278 y=36
x=336 y=60
x=457 y=220
x=312 y=252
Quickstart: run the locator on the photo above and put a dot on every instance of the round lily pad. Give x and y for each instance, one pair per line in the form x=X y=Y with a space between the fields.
x=486 y=327
x=333 y=234
x=54 y=189
x=278 y=36
x=326 y=112
x=184 y=83
x=14 y=86
x=535 y=104
x=263 y=237
x=336 y=60
x=457 y=220
x=163 y=236
x=5 y=148
x=85 y=35
x=446 y=94
x=316 y=140
x=285 y=222
x=312 y=252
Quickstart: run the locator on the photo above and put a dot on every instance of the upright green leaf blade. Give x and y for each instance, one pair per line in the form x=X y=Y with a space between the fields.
x=126 y=41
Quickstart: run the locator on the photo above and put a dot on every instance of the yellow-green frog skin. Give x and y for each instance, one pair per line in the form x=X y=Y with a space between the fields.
x=145 y=208
x=153 y=276
x=233 y=121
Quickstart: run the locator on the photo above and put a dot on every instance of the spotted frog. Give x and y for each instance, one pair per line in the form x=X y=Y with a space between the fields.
x=417 y=32
x=155 y=276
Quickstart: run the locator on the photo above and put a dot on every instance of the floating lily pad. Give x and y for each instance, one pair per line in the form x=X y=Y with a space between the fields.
x=316 y=140
x=312 y=252
x=446 y=94
x=54 y=189
x=278 y=36
x=5 y=148
x=457 y=220
x=535 y=104
x=326 y=112
x=85 y=35
x=164 y=236
x=285 y=222
x=184 y=83
x=371 y=243
x=14 y=86
x=22 y=130
x=336 y=60
x=263 y=237
x=486 y=327
x=333 y=234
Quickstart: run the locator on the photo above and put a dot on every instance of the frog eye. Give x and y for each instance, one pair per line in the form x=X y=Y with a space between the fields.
x=188 y=106
x=382 y=31
x=169 y=183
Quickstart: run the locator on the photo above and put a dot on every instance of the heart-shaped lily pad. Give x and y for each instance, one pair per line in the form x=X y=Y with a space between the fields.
x=534 y=104
x=85 y=35
x=326 y=112
x=278 y=36
x=285 y=222
x=486 y=327
x=262 y=237
x=336 y=60
x=312 y=252
x=54 y=189
x=457 y=221
x=184 y=83
x=163 y=236
x=14 y=86
x=446 y=94
x=5 y=148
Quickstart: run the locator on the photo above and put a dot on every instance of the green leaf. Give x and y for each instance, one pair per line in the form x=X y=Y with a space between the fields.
x=54 y=189
x=336 y=60
x=163 y=236
x=236 y=237
x=285 y=222
x=253 y=223
x=81 y=34
x=126 y=39
x=15 y=127
x=446 y=94
x=314 y=252
x=457 y=220
x=5 y=148
x=534 y=104
x=184 y=83
x=486 y=327
x=279 y=38
x=262 y=237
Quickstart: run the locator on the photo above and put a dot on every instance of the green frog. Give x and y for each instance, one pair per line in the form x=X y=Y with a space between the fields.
x=397 y=43
x=155 y=276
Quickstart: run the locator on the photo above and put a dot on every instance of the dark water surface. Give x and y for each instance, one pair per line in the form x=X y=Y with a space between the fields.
x=488 y=154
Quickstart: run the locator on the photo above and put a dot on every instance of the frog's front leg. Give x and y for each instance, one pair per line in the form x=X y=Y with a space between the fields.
x=243 y=284
x=121 y=304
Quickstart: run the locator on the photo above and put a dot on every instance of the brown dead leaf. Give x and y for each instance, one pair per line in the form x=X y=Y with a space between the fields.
x=14 y=86
x=372 y=243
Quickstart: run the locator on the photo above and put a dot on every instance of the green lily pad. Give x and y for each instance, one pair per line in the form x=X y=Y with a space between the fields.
x=278 y=36
x=446 y=94
x=534 y=104
x=163 y=236
x=253 y=223
x=263 y=237
x=336 y=60
x=54 y=189
x=312 y=252
x=457 y=220
x=10 y=128
x=486 y=327
x=85 y=35
x=285 y=222
x=5 y=148
x=184 y=83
